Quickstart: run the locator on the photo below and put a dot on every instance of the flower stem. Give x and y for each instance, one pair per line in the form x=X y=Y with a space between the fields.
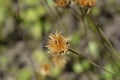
x=90 y=61
x=101 y=34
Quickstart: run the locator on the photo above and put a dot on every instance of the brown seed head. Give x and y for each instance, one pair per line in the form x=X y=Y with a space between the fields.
x=86 y=3
x=57 y=43
x=61 y=3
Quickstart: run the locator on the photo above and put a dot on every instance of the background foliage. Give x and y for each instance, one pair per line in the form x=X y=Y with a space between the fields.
x=24 y=29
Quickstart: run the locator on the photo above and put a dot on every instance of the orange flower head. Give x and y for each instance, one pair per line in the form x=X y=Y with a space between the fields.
x=86 y=3
x=61 y=3
x=57 y=43
x=59 y=60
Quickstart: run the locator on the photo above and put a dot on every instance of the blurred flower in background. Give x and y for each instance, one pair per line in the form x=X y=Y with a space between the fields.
x=45 y=69
x=59 y=60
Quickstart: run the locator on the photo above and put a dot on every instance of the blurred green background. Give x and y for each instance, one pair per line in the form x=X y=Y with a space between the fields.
x=24 y=29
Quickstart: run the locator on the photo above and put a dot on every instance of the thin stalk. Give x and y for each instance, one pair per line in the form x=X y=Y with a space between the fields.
x=98 y=31
x=107 y=46
x=58 y=16
x=33 y=67
x=90 y=61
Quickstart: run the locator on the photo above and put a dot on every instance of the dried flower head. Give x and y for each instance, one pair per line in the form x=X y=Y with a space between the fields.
x=58 y=44
x=59 y=60
x=61 y=3
x=45 y=69
x=86 y=3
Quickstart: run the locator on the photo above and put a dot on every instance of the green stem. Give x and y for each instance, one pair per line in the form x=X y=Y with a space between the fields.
x=90 y=61
x=99 y=32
